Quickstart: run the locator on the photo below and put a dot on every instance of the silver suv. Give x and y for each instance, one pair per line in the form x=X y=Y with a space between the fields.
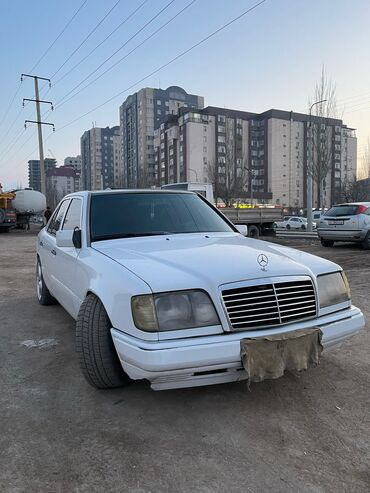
x=346 y=222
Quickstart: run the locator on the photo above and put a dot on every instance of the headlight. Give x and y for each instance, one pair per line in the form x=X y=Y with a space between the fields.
x=333 y=289
x=173 y=311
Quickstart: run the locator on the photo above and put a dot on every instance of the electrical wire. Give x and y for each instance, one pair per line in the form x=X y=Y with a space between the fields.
x=59 y=35
x=101 y=42
x=177 y=57
x=64 y=101
x=86 y=38
x=117 y=50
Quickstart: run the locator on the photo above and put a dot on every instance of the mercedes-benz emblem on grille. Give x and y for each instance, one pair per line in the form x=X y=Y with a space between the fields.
x=263 y=261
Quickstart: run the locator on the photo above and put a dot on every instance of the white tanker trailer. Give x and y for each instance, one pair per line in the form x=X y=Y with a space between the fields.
x=17 y=207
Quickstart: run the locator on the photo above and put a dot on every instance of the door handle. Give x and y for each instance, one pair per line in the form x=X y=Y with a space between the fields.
x=53 y=252
x=41 y=243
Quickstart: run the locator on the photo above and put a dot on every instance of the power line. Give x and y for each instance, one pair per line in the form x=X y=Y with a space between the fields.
x=59 y=35
x=10 y=104
x=86 y=38
x=64 y=101
x=177 y=57
x=117 y=50
x=102 y=42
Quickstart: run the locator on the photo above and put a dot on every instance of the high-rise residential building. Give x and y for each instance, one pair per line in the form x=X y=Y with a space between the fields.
x=100 y=158
x=75 y=162
x=271 y=151
x=34 y=176
x=140 y=115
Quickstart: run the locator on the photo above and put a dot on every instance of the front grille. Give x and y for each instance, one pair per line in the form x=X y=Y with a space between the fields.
x=267 y=305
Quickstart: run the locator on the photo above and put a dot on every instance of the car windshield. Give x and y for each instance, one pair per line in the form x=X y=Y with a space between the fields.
x=125 y=215
x=342 y=210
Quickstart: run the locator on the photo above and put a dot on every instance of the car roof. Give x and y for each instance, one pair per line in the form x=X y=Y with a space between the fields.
x=352 y=203
x=127 y=190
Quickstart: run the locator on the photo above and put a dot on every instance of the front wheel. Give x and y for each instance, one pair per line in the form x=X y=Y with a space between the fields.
x=327 y=243
x=366 y=242
x=43 y=294
x=303 y=227
x=94 y=345
x=288 y=226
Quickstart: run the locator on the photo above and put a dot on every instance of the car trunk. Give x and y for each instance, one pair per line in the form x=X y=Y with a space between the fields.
x=342 y=218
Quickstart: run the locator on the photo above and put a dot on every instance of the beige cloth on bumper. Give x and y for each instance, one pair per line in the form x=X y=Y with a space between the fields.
x=268 y=357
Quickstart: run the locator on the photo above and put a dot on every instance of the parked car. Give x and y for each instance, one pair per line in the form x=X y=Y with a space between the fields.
x=164 y=287
x=293 y=222
x=346 y=222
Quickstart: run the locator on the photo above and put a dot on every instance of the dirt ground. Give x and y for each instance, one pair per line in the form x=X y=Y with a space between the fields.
x=307 y=433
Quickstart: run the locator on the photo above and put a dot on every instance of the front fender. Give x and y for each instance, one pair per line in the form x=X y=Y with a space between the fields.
x=114 y=285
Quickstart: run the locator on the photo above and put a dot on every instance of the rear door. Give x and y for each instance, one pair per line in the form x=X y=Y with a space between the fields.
x=47 y=247
x=66 y=268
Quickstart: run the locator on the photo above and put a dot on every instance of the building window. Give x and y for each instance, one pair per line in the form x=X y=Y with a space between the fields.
x=159 y=101
x=221 y=118
x=204 y=149
x=159 y=112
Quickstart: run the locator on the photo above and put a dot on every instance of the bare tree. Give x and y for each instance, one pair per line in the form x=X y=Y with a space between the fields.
x=364 y=170
x=230 y=175
x=355 y=190
x=321 y=157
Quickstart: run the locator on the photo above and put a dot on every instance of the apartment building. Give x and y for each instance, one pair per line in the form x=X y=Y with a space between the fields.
x=100 y=158
x=60 y=182
x=140 y=115
x=269 y=151
x=34 y=176
x=75 y=162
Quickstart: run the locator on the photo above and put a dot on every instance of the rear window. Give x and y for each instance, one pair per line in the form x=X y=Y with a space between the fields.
x=342 y=210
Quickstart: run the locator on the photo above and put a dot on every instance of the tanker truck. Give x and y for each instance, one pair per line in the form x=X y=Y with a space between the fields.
x=18 y=206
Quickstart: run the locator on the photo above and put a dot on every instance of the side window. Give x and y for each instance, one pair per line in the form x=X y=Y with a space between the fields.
x=52 y=220
x=72 y=218
x=58 y=217
x=295 y=219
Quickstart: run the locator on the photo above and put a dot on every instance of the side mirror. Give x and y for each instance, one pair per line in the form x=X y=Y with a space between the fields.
x=76 y=238
x=69 y=238
x=242 y=228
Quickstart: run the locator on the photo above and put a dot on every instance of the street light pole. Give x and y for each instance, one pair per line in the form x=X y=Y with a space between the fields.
x=309 y=169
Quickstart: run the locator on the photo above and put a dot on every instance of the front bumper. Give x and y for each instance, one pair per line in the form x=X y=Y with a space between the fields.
x=214 y=359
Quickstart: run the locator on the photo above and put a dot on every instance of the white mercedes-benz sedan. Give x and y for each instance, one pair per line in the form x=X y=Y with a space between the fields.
x=163 y=287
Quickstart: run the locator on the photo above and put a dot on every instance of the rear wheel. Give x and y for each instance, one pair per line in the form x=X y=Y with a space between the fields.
x=288 y=226
x=366 y=242
x=43 y=294
x=94 y=345
x=253 y=231
x=303 y=227
x=327 y=243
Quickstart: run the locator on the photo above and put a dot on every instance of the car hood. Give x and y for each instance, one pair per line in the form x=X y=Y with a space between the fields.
x=206 y=261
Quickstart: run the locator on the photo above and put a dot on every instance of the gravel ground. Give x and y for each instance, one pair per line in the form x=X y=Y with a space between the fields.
x=307 y=433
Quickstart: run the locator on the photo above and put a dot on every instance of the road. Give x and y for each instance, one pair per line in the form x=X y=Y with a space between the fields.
x=301 y=433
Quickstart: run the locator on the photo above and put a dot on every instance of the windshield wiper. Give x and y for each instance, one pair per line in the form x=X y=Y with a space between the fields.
x=129 y=235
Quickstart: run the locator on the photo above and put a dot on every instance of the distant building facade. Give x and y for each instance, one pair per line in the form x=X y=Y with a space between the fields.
x=34 y=176
x=271 y=150
x=60 y=182
x=140 y=115
x=75 y=162
x=100 y=158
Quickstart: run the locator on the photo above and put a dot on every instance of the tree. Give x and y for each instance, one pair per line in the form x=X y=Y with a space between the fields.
x=229 y=176
x=355 y=190
x=364 y=171
x=320 y=141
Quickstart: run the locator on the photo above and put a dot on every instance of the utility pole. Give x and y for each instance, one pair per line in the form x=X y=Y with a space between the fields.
x=310 y=170
x=39 y=123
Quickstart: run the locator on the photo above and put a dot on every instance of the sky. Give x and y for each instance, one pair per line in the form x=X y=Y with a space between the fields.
x=270 y=58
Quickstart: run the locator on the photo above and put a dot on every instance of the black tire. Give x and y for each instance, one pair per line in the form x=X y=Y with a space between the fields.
x=95 y=349
x=327 y=243
x=43 y=294
x=253 y=231
x=366 y=243
x=303 y=227
x=288 y=226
